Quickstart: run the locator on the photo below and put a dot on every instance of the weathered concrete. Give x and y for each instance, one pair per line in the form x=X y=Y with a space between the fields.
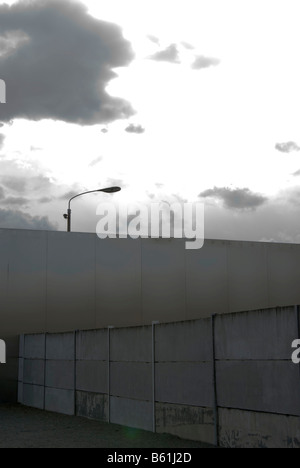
x=253 y=389
x=131 y=344
x=184 y=383
x=91 y=376
x=58 y=281
x=131 y=380
x=59 y=401
x=33 y=395
x=187 y=422
x=131 y=413
x=33 y=371
x=248 y=429
x=183 y=341
x=34 y=346
x=91 y=345
x=256 y=335
x=92 y=405
x=268 y=386
x=60 y=346
x=60 y=374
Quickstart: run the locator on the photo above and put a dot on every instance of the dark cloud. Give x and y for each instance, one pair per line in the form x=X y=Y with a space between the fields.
x=13 y=201
x=204 y=62
x=12 y=219
x=15 y=183
x=2 y=193
x=24 y=182
x=58 y=61
x=287 y=147
x=70 y=194
x=45 y=200
x=134 y=129
x=170 y=54
x=240 y=199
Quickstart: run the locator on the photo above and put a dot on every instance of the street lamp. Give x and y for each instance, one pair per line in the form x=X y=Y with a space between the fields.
x=105 y=190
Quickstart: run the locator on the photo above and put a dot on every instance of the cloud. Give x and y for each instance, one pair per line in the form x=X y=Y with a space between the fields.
x=45 y=200
x=153 y=39
x=12 y=201
x=187 y=45
x=59 y=61
x=2 y=138
x=70 y=194
x=204 y=62
x=24 y=181
x=35 y=148
x=287 y=147
x=240 y=199
x=95 y=161
x=170 y=54
x=134 y=129
x=11 y=219
x=297 y=173
x=112 y=182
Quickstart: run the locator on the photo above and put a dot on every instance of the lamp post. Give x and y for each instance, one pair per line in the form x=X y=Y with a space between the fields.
x=105 y=190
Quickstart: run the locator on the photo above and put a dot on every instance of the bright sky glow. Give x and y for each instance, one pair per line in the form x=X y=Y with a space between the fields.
x=212 y=127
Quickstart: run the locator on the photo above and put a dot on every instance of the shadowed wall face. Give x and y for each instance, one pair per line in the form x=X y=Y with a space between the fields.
x=58 y=281
x=161 y=379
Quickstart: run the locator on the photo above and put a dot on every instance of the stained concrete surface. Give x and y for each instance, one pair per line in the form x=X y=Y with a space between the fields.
x=23 y=427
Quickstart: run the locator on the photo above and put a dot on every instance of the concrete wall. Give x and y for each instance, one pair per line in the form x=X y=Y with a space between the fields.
x=58 y=281
x=161 y=377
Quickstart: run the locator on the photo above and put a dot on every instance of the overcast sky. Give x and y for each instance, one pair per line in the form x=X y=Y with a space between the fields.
x=170 y=99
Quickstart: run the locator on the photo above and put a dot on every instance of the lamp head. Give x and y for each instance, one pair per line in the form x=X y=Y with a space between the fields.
x=110 y=190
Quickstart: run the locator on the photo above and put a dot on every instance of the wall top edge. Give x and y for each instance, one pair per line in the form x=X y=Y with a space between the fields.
x=63 y=234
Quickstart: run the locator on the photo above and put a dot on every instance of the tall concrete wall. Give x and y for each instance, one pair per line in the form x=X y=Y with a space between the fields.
x=161 y=377
x=58 y=281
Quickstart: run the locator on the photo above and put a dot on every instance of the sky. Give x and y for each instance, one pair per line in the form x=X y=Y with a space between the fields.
x=172 y=100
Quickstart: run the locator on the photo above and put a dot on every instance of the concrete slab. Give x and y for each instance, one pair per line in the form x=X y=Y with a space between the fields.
x=268 y=386
x=187 y=422
x=60 y=374
x=248 y=429
x=33 y=395
x=60 y=346
x=34 y=346
x=131 y=413
x=256 y=335
x=183 y=341
x=184 y=383
x=131 y=344
x=34 y=371
x=92 y=405
x=59 y=401
x=131 y=380
x=91 y=345
x=91 y=376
